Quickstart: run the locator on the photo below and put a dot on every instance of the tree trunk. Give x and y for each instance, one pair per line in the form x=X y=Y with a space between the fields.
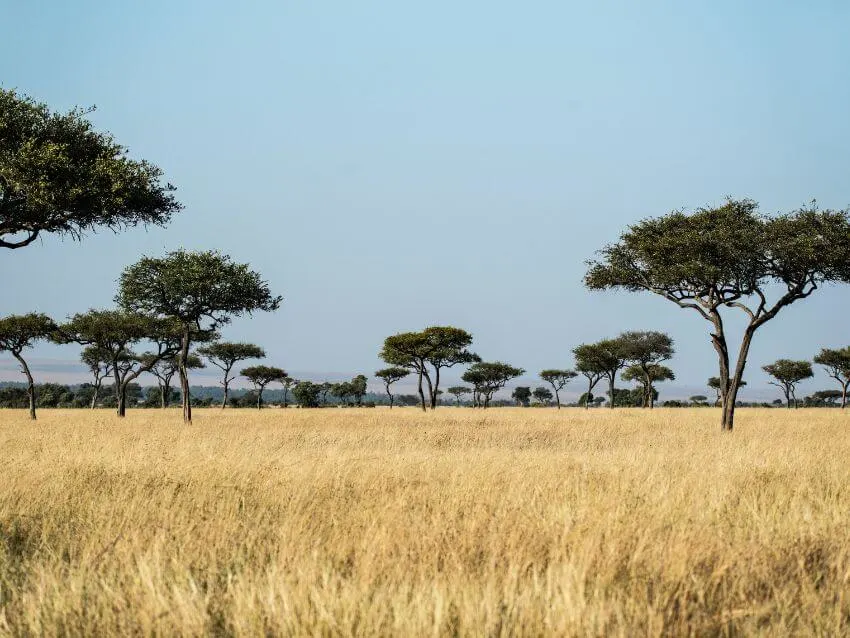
x=285 y=396
x=590 y=385
x=557 y=397
x=96 y=392
x=120 y=408
x=184 y=375
x=421 y=393
x=226 y=392
x=30 y=383
x=389 y=395
x=726 y=389
x=122 y=401
x=260 y=399
x=611 y=389
x=651 y=397
x=436 y=388
x=430 y=384
x=843 y=396
x=730 y=395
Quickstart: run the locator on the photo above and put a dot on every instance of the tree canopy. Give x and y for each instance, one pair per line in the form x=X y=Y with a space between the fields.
x=489 y=378
x=224 y=355
x=724 y=257
x=59 y=175
x=261 y=376
x=836 y=362
x=21 y=332
x=391 y=375
x=558 y=379
x=787 y=375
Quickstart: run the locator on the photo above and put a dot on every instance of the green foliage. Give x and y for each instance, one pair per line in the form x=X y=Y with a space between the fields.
x=192 y=287
x=58 y=175
x=543 y=396
x=20 y=332
x=261 y=376
x=358 y=388
x=488 y=378
x=788 y=374
x=307 y=394
x=225 y=354
x=522 y=395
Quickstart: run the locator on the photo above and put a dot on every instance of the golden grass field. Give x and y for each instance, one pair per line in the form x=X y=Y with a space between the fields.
x=460 y=522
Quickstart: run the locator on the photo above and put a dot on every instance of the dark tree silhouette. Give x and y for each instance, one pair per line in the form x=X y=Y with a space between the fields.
x=58 y=175
x=458 y=391
x=522 y=395
x=21 y=332
x=99 y=363
x=391 y=375
x=646 y=376
x=728 y=257
x=261 y=376
x=201 y=290
x=787 y=375
x=558 y=379
x=164 y=371
x=489 y=378
x=225 y=355
x=543 y=396
x=645 y=349
x=837 y=365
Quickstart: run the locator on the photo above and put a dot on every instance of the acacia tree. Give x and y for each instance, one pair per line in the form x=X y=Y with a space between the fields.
x=261 y=376
x=359 y=388
x=558 y=379
x=837 y=365
x=307 y=393
x=200 y=290
x=728 y=257
x=342 y=391
x=646 y=377
x=593 y=362
x=115 y=333
x=435 y=348
x=225 y=355
x=164 y=371
x=21 y=332
x=522 y=395
x=543 y=396
x=788 y=374
x=99 y=363
x=391 y=375
x=645 y=349
x=58 y=175
x=489 y=378
x=458 y=391
x=287 y=383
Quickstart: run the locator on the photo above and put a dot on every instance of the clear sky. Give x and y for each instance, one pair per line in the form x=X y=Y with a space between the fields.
x=392 y=165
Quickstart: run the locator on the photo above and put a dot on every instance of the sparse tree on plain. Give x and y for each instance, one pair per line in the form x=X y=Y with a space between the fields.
x=59 y=176
x=646 y=348
x=458 y=391
x=592 y=362
x=225 y=355
x=287 y=383
x=359 y=388
x=837 y=365
x=543 y=396
x=699 y=399
x=522 y=395
x=728 y=257
x=558 y=379
x=261 y=376
x=391 y=375
x=201 y=290
x=164 y=371
x=98 y=361
x=646 y=377
x=21 y=332
x=307 y=393
x=787 y=375
x=489 y=378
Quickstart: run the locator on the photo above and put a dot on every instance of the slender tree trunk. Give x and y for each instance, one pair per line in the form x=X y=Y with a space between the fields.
x=184 y=375
x=726 y=389
x=421 y=393
x=611 y=388
x=285 y=396
x=557 y=397
x=730 y=397
x=97 y=383
x=590 y=385
x=430 y=384
x=122 y=400
x=226 y=384
x=651 y=397
x=30 y=383
x=436 y=388
x=843 y=396
x=260 y=399
x=119 y=403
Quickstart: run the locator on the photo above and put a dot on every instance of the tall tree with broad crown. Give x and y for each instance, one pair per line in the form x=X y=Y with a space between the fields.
x=488 y=378
x=201 y=290
x=261 y=376
x=837 y=365
x=389 y=376
x=728 y=257
x=21 y=332
x=458 y=391
x=787 y=375
x=558 y=379
x=647 y=348
x=646 y=376
x=58 y=175
x=591 y=363
x=225 y=355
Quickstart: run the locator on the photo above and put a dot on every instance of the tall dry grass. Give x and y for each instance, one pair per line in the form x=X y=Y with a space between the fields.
x=461 y=522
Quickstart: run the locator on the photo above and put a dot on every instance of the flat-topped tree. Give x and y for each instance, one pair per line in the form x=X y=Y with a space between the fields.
x=458 y=391
x=409 y=350
x=522 y=395
x=391 y=375
x=787 y=375
x=261 y=376
x=201 y=290
x=58 y=175
x=729 y=257
x=647 y=348
x=99 y=363
x=558 y=379
x=164 y=371
x=646 y=376
x=287 y=382
x=543 y=396
x=591 y=363
x=837 y=365
x=488 y=378
x=116 y=333
x=225 y=355
x=21 y=332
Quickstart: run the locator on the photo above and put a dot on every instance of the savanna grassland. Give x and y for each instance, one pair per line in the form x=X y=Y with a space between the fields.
x=459 y=522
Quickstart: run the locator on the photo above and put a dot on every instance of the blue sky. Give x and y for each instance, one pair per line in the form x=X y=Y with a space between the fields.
x=389 y=165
